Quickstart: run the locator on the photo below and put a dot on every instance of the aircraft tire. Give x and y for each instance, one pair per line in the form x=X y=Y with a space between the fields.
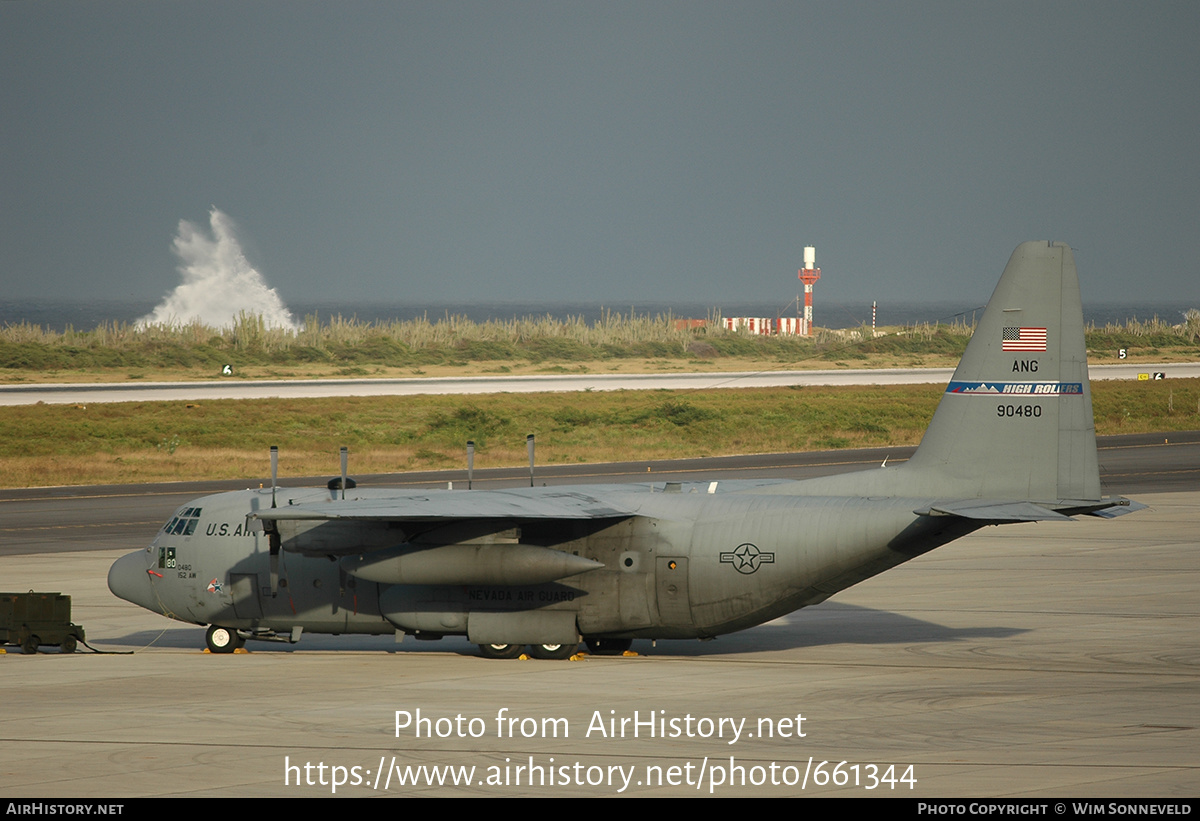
x=608 y=647
x=552 y=651
x=222 y=639
x=501 y=651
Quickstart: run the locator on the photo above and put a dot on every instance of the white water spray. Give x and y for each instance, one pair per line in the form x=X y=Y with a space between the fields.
x=218 y=282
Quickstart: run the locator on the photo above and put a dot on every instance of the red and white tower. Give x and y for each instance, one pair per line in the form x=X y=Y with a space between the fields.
x=809 y=274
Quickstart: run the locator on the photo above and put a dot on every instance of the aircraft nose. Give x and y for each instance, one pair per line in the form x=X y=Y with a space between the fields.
x=127 y=578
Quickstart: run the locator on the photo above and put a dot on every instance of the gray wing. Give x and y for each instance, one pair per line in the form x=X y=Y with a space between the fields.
x=443 y=537
x=456 y=505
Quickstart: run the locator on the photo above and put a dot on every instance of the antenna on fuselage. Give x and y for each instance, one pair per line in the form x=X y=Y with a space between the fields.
x=274 y=472
x=345 y=460
x=529 y=446
x=470 y=461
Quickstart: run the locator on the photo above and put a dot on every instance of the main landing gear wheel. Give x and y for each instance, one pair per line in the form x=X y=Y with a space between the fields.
x=500 y=651
x=552 y=651
x=608 y=647
x=222 y=639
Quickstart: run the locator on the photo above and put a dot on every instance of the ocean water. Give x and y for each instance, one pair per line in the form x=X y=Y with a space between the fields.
x=217 y=280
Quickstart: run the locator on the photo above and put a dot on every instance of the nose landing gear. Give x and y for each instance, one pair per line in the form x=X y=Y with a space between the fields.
x=222 y=639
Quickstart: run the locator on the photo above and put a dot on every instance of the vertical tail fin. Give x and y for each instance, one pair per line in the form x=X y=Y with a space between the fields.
x=1016 y=419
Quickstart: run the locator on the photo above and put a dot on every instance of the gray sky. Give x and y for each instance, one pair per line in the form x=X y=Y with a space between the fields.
x=601 y=150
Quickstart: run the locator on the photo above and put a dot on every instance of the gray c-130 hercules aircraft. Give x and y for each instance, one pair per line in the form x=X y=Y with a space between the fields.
x=1012 y=441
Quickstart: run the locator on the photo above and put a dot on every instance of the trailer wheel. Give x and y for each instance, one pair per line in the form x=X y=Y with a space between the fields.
x=500 y=651
x=67 y=645
x=552 y=651
x=222 y=639
x=30 y=645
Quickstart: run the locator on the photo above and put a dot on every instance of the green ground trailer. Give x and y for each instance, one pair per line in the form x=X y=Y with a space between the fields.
x=34 y=619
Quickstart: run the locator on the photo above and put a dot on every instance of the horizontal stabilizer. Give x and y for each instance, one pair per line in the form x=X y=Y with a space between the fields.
x=1113 y=507
x=993 y=511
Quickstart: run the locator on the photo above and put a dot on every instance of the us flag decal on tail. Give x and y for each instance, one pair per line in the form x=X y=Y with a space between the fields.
x=1023 y=339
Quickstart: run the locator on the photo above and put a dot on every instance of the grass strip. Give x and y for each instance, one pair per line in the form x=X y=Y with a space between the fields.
x=615 y=342
x=45 y=445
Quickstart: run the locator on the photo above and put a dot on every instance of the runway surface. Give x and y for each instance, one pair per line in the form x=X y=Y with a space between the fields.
x=1027 y=660
x=311 y=388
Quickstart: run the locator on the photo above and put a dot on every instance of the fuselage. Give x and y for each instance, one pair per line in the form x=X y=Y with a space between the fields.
x=683 y=560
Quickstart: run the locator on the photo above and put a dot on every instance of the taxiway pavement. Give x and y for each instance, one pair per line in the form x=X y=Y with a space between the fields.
x=1055 y=659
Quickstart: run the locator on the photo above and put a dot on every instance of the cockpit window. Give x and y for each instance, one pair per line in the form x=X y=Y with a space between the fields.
x=184 y=524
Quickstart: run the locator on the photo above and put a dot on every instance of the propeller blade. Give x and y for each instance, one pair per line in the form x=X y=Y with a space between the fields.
x=273 y=543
